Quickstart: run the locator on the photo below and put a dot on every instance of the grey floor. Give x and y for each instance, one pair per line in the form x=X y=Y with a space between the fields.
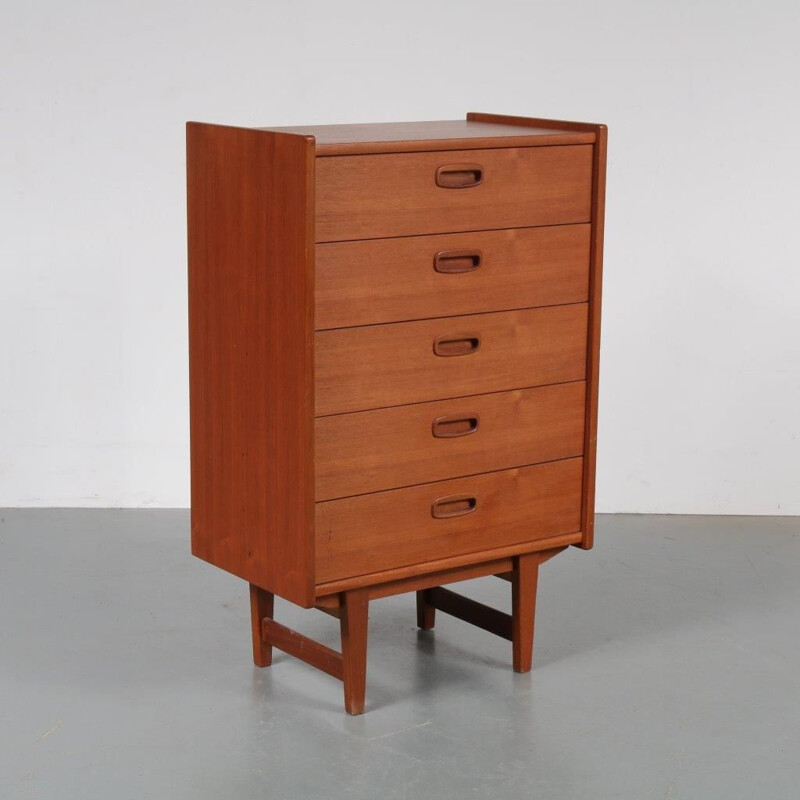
x=667 y=666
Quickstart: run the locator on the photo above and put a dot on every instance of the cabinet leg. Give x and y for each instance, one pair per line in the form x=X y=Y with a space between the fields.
x=354 y=618
x=262 y=604
x=523 y=609
x=426 y=613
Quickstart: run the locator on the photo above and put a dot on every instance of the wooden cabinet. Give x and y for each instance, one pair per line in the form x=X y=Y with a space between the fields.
x=394 y=337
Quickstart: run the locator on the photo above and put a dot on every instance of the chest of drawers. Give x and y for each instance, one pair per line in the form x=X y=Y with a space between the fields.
x=394 y=338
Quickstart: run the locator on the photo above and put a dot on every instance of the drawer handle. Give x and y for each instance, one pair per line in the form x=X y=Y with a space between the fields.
x=454 y=505
x=453 y=425
x=459 y=176
x=452 y=262
x=463 y=344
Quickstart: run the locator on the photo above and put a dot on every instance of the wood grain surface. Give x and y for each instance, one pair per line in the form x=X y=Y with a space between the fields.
x=393 y=280
x=593 y=345
x=599 y=159
x=381 y=531
x=371 y=451
x=524 y=582
x=386 y=365
x=396 y=137
x=376 y=196
x=251 y=292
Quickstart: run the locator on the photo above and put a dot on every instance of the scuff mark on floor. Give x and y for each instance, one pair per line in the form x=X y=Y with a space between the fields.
x=50 y=731
x=402 y=730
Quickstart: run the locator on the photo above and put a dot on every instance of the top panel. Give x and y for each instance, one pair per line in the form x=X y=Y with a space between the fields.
x=456 y=134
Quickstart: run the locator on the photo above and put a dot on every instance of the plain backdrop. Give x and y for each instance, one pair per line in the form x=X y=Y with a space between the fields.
x=700 y=387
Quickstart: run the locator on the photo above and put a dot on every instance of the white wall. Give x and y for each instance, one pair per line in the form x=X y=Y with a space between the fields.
x=701 y=362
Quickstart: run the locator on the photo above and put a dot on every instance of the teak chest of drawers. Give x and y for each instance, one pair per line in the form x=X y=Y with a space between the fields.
x=394 y=337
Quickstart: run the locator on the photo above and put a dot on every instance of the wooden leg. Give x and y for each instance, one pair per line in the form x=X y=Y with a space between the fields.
x=426 y=613
x=349 y=666
x=523 y=609
x=354 y=617
x=262 y=605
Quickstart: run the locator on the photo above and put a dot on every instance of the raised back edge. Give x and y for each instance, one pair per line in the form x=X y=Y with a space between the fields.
x=535 y=122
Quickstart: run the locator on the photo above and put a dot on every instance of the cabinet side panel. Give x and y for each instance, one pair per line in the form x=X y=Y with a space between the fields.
x=250 y=221
x=593 y=350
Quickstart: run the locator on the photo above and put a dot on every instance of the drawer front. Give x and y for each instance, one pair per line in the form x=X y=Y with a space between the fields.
x=391 y=280
x=375 y=196
x=385 y=530
x=411 y=362
x=371 y=451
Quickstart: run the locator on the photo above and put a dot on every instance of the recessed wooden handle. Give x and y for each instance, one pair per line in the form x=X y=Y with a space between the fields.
x=453 y=425
x=459 y=176
x=462 y=344
x=454 y=505
x=455 y=261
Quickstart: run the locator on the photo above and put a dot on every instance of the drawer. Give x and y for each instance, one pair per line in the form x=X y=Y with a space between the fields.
x=411 y=362
x=407 y=194
x=385 y=530
x=391 y=280
x=370 y=451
